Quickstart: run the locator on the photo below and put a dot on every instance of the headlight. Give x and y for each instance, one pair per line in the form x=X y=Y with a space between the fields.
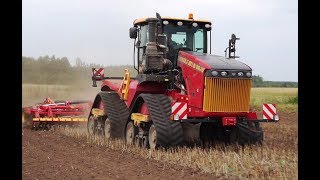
x=207 y=25
x=194 y=24
x=214 y=73
x=176 y=117
x=276 y=117
x=179 y=23
x=223 y=73
x=165 y=22
x=248 y=74
x=240 y=74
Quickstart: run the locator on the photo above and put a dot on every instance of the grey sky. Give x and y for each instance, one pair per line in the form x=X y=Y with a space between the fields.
x=98 y=30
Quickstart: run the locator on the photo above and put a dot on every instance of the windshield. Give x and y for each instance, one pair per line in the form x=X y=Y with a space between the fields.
x=186 y=37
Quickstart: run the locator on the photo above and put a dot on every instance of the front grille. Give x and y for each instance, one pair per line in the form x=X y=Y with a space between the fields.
x=226 y=95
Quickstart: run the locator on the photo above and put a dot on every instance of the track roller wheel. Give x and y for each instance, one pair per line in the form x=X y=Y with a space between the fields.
x=145 y=142
x=152 y=137
x=138 y=141
x=100 y=127
x=131 y=132
x=107 y=129
x=91 y=125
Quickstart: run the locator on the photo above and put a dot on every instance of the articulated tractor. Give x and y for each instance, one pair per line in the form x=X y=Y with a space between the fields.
x=182 y=94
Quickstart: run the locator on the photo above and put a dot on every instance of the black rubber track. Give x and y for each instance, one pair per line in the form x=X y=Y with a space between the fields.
x=117 y=112
x=249 y=135
x=169 y=133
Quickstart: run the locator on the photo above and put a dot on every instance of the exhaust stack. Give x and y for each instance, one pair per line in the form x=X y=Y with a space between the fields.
x=153 y=60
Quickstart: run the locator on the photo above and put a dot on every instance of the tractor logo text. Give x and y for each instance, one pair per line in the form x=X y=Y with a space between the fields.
x=191 y=64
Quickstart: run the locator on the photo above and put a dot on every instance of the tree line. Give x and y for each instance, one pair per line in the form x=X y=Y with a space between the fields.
x=257 y=81
x=52 y=70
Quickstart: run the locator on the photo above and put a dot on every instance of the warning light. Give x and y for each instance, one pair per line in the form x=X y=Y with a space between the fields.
x=190 y=16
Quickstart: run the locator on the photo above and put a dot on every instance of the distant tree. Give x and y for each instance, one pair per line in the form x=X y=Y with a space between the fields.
x=257 y=81
x=80 y=63
x=53 y=57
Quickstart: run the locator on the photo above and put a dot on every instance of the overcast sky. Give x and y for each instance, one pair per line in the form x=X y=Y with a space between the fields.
x=98 y=30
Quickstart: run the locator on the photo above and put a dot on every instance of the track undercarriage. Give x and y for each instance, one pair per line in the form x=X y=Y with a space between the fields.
x=157 y=130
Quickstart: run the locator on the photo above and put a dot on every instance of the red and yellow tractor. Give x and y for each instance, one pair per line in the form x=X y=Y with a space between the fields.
x=182 y=93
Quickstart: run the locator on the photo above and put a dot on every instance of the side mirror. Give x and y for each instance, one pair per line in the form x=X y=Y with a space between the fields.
x=232 y=47
x=133 y=32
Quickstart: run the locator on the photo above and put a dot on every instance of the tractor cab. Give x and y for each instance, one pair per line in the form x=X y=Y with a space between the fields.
x=174 y=33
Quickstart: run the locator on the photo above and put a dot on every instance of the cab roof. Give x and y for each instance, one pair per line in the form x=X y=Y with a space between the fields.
x=143 y=20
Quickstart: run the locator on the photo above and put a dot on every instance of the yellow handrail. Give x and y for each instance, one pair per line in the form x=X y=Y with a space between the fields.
x=124 y=87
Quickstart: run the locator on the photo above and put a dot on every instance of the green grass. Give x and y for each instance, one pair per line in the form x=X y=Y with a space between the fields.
x=286 y=99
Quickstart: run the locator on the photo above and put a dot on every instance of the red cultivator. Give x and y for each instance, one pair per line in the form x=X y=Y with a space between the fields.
x=49 y=113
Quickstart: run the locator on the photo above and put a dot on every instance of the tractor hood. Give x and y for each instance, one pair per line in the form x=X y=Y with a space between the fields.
x=219 y=62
